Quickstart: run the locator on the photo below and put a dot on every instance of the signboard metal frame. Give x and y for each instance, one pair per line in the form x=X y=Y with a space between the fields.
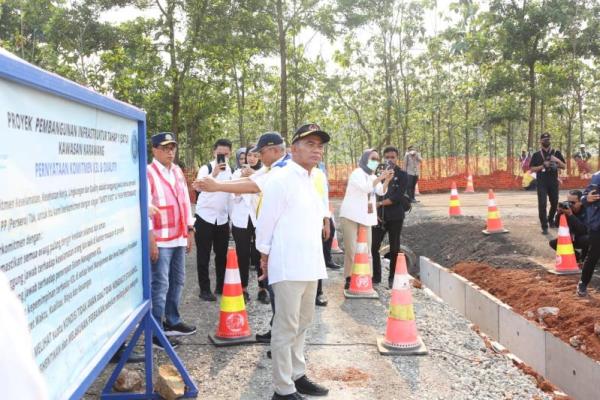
x=140 y=320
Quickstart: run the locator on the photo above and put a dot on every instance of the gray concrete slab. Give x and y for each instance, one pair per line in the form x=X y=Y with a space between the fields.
x=430 y=274
x=523 y=338
x=572 y=371
x=483 y=310
x=452 y=289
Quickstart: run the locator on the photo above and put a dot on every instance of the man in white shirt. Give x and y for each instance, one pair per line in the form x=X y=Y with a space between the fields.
x=212 y=222
x=289 y=239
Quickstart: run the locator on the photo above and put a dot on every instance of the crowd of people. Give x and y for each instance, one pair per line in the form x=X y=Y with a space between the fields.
x=275 y=204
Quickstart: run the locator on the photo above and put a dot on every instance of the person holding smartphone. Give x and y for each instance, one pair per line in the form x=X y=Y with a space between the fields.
x=212 y=222
x=390 y=214
x=589 y=199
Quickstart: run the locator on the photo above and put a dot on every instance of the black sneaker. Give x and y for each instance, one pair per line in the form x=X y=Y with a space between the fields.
x=264 y=338
x=306 y=386
x=333 y=265
x=158 y=345
x=347 y=284
x=293 y=396
x=581 y=289
x=321 y=300
x=544 y=231
x=263 y=297
x=208 y=296
x=180 y=329
x=136 y=356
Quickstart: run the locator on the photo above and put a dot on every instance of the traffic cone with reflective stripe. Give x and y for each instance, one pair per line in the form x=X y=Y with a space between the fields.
x=417 y=193
x=361 y=285
x=494 y=223
x=566 y=263
x=454 y=209
x=233 y=325
x=401 y=336
x=335 y=246
x=470 y=188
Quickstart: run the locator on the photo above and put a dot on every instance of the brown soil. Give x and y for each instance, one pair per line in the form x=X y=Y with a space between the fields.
x=576 y=316
x=351 y=376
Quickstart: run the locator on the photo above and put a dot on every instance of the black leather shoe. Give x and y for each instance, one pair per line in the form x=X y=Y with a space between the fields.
x=263 y=338
x=333 y=265
x=306 y=386
x=208 y=296
x=321 y=300
x=293 y=396
x=263 y=297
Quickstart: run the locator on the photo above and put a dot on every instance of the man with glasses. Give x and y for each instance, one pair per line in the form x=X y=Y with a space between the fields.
x=170 y=236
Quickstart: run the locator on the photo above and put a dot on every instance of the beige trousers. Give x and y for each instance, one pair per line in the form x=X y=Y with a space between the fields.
x=350 y=233
x=294 y=310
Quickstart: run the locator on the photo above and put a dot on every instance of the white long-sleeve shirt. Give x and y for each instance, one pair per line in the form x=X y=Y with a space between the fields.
x=213 y=207
x=242 y=206
x=289 y=226
x=355 y=204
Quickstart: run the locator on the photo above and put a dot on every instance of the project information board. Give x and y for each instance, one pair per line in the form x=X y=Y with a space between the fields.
x=69 y=225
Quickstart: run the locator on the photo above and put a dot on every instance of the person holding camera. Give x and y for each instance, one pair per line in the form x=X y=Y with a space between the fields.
x=358 y=207
x=390 y=215
x=575 y=214
x=545 y=163
x=212 y=221
x=590 y=198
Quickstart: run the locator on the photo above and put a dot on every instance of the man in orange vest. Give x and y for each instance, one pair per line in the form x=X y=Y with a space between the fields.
x=171 y=235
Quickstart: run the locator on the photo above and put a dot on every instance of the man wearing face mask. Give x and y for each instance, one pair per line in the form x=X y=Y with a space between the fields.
x=545 y=163
x=212 y=221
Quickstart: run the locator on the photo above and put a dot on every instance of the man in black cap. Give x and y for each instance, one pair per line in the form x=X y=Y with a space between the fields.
x=293 y=216
x=545 y=163
x=171 y=235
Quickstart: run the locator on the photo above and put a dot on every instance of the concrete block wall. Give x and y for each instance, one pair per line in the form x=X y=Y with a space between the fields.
x=572 y=371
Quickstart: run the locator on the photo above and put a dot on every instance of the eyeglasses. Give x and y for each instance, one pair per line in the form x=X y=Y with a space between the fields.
x=168 y=149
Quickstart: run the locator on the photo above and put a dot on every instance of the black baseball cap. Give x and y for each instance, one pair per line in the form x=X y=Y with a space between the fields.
x=267 y=139
x=545 y=135
x=162 y=138
x=310 y=129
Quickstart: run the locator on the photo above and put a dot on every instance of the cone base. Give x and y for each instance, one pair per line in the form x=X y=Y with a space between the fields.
x=221 y=342
x=566 y=272
x=368 y=295
x=385 y=350
x=486 y=232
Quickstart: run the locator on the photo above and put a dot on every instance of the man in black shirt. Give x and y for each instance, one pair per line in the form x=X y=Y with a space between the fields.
x=545 y=163
x=390 y=215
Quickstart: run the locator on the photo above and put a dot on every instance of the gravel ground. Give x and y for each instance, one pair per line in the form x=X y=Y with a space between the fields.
x=342 y=353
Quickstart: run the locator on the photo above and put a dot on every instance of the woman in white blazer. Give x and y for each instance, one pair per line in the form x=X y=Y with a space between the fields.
x=358 y=207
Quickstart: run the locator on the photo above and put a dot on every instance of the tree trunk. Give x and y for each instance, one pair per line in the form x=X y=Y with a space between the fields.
x=467 y=131
x=542 y=117
x=532 y=100
x=283 y=71
x=580 y=111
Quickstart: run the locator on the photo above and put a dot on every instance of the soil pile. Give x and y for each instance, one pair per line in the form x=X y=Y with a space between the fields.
x=527 y=290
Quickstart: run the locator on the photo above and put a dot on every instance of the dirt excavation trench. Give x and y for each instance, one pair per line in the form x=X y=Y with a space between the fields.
x=508 y=267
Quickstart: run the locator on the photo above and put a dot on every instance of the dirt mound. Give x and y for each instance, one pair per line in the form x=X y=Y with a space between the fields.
x=351 y=376
x=527 y=290
x=449 y=241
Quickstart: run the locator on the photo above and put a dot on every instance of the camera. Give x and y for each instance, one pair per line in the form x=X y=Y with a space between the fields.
x=565 y=205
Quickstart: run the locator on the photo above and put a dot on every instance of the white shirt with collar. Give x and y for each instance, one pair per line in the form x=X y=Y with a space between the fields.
x=355 y=204
x=290 y=224
x=169 y=175
x=242 y=206
x=213 y=207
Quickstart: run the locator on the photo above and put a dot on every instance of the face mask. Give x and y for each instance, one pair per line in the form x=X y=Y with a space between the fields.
x=413 y=152
x=372 y=164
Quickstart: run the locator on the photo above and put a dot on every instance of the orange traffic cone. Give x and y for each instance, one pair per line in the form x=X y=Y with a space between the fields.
x=233 y=325
x=401 y=336
x=566 y=263
x=470 y=188
x=417 y=193
x=335 y=246
x=454 y=202
x=361 y=285
x=494 y=224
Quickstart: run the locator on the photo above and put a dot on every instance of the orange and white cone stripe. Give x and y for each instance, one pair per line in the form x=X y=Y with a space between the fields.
x=566 y=263
x=470 y=188
x=361 y=284
x=454 y=209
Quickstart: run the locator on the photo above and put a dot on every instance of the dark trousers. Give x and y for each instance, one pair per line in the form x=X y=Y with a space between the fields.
x=547 y=191
x=209 y=235
x=327 y=244
x=246 y=250
x=592 y=258
x=393 y=229
x=412 y=184
x=580 y=243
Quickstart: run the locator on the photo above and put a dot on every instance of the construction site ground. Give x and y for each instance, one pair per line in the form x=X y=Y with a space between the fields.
x=341 y=345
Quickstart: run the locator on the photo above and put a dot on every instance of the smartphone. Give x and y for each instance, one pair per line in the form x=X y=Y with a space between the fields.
x=220 y=158
x=390 y=164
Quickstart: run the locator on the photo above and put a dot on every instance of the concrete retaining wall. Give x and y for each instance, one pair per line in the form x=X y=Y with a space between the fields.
x=572 y=371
